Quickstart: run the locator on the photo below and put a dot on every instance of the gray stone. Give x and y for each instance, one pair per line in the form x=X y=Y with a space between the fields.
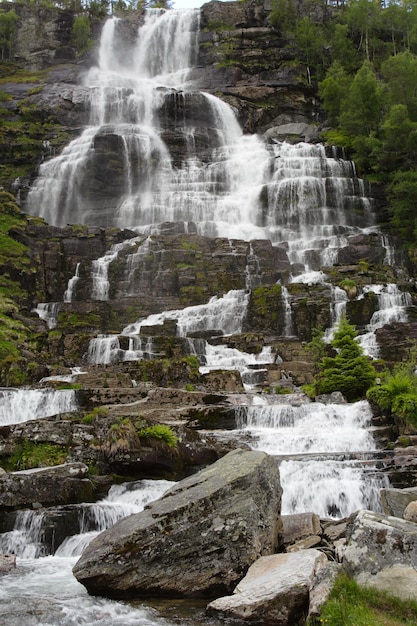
x=334 y=530
x=274 y=591
x=399 y=581
x=61 y=484
x=410 y=512
x=299 y=131
x=198 y=540
x=336 y=397
x=395 y=501
x=322 y=586
x=377 y=542
x=304 y=544
x=7 y=562
x=299 y=526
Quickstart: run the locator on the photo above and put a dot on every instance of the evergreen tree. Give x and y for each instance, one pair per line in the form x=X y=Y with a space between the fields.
x=363 y=106
x=7 y=32
x=350 y=371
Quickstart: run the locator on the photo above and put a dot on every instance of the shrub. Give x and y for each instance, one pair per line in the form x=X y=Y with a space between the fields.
x=398 y=394
x=161 y=432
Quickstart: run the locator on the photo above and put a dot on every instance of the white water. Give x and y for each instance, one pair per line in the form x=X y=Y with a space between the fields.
x=392 y=307
x=45 y=593
x=72 y=284
x=319 y=434
x=250 y=189
x=291 y=194
x=22 y=405
x=225 y=315
x=48 y=312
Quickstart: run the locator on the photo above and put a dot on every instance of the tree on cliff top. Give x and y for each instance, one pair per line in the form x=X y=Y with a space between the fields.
x=350 y=371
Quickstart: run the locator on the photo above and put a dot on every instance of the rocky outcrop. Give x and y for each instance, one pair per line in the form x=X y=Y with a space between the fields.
x=198 y=540
x=274 y=591
x=395 y=501
x=43 y=35
x=382 y=552
x=62 y=484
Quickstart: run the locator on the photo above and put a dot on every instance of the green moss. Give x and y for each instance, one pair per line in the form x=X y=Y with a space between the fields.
x=29 y=454
x=193 y=294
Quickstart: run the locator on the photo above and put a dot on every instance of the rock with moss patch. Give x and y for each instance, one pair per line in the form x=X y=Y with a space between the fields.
x=198 y=540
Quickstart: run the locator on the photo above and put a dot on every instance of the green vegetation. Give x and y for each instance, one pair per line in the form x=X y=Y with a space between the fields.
x=81 y=33
x=97 y=412
x=160 y=432
x=397 y=395
x=8 y=22
x=352 y=605
x=29 y=454
x=349 y=371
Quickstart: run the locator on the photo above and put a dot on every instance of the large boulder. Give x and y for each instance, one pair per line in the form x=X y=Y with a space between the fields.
x=382 y=553
x=395 y=501
x=274 y=591
x=198 y=540
x=61 y=484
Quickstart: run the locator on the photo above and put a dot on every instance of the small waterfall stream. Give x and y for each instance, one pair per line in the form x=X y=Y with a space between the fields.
x=22 y=405
x=323 y=451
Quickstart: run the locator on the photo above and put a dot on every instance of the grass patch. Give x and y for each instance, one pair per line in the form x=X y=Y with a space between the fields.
x=29 y=455
x=352 y=605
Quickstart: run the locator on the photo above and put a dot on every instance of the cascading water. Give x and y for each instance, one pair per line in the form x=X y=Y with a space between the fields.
x=392 y=307
x=319 y=446
x=250 y=189
x=22 y=405
x=46 y=592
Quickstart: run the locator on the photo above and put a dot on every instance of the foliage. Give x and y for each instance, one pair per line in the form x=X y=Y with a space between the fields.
x=81 y=33
x=402 y=193
x=161 y=432
x=398 y=394
x=30 y=454
x=317 y=347
x=8 y=22
x=97 y=412
x=352 y=605
x=332 y=90
x=349 y=371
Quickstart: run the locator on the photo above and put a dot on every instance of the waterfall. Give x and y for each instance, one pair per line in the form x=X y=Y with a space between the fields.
x=72 y=283
x=237 y=186
x=26 y=539
x=310 y=439
x=392 y=307
x=22 y=405
x=225 y=314
x=46 y=587
x=288 y=322
x=48 y=312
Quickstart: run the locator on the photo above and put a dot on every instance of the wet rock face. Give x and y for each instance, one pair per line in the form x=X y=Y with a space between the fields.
x=43 y=36
x=198 y=540
x=61 y=484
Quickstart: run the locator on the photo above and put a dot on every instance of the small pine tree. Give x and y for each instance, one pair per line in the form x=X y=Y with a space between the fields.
x=350 y=371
